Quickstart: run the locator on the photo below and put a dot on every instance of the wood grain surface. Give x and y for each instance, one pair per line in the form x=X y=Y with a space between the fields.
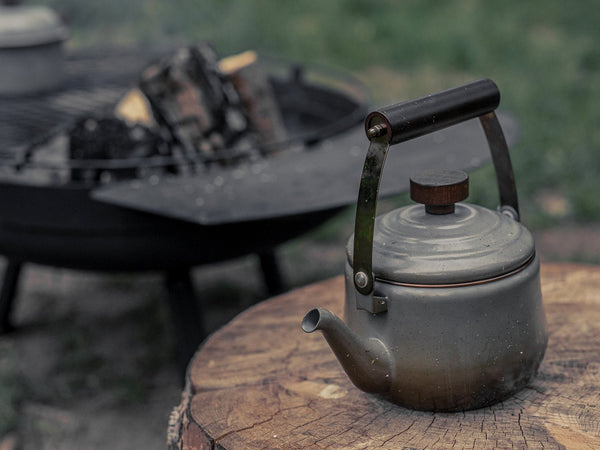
x=260 y=382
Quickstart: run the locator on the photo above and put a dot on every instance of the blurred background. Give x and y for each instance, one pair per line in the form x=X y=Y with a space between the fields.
x=543 y=55
x=59 y=382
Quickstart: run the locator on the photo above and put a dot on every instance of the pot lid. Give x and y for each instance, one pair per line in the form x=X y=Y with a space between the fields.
x=470 y=244
x=22 y=26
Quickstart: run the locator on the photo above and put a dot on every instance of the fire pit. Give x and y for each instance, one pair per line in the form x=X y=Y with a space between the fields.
x=47 y=215
x=173 y=216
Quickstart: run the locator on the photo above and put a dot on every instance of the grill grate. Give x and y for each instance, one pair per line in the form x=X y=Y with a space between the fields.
x=35 y=130
x=94 y=82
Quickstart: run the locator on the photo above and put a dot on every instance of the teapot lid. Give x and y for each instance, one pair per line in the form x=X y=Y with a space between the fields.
x=440 y=245
x=22 y=26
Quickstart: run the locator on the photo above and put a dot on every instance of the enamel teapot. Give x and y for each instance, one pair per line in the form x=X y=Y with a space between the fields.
x=443 y=303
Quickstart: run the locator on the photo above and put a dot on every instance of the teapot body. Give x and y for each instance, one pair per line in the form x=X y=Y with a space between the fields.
x=443 y=304
x=459 y=347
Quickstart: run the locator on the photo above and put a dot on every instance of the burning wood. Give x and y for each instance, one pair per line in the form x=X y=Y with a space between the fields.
x=201 y=108
x=218 y=110
x=256 y=96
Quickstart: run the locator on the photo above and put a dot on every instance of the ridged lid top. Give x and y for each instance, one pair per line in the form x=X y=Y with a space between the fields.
x=471 y=244
x=22 y=26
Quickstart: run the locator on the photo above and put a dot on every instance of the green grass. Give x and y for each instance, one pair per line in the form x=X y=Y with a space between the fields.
x=544 y=55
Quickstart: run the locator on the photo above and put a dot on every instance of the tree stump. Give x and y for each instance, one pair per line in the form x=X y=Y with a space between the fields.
x=260 y=382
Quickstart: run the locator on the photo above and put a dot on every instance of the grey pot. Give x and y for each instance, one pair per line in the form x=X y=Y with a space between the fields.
x=31 y=49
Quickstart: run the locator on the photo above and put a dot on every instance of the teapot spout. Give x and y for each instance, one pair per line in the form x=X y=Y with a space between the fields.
x=367 y=362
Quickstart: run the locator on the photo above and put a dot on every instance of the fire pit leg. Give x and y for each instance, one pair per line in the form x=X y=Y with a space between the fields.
x=271 y=272
x=186 y=315
x=8 y=294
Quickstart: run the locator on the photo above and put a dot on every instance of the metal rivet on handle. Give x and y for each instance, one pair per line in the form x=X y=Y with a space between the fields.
x=376 y=131
x=361 y=279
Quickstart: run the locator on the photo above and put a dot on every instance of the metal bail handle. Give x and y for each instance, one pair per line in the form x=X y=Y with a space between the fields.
x=404 y=121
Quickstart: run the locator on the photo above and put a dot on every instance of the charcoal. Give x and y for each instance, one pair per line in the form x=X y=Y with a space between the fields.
x=109 y=138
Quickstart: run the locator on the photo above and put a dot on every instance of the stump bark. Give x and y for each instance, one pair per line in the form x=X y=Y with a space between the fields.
x=260 y=382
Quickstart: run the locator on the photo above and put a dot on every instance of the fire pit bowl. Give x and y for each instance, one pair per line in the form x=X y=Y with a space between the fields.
x=58 y=223
x=49 y=217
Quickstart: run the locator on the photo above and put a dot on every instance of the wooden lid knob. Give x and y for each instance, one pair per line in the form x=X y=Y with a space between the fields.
x=439 y=190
